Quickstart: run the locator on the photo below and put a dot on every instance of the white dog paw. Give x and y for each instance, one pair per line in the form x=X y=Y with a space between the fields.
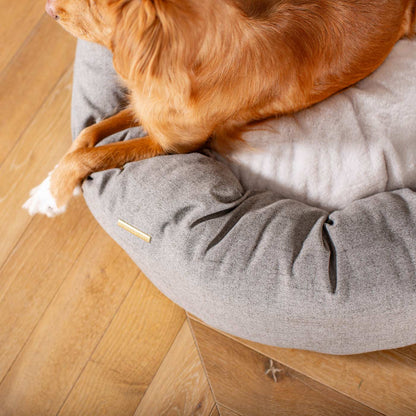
x=41 y=201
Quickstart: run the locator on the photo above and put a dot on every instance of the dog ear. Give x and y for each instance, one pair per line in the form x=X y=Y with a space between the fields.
x=155 y=38
x=135 y=42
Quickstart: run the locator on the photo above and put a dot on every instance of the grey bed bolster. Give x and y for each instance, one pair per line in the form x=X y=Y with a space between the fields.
x=270 y=270
x=250 y=263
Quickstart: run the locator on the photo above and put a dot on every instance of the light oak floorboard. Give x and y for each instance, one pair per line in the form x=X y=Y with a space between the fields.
x=238 y=378
x=223 y=411
x=35 y=271
x=180 y=386
x=30 y=78
x=17 y=20
x=37 y=152
x=214 y=411
x=69 y=331
x=409 y=352
x=127 y=358
x=363 y=377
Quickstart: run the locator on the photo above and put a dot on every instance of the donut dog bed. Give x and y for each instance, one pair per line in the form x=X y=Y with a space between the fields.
x=306 y=239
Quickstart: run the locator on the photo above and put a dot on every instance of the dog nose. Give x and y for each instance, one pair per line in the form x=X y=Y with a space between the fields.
x=50 y=9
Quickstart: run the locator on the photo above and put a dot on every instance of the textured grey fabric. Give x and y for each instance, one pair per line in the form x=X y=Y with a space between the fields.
x=250 y=263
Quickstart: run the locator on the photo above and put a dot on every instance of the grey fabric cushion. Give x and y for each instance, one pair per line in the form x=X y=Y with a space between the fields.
x=252 y=263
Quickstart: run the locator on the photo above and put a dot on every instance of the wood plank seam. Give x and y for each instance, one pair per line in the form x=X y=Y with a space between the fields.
x=200 y=356
x=213 y=409
x=46 y=308
x=231 y=410
x=312 y=378
x=158 y=368
x=28 y=126
x=167 y=354
x=269 y=358
x=98 y=342
x=407 y=355
x=254 y=349
x=33 y=118
x=129 y=354
x=179 y=386
x=22 y=45
x=10 y=253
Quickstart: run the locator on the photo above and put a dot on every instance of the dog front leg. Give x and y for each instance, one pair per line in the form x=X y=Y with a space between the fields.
x=93 y=134
x=53 y=194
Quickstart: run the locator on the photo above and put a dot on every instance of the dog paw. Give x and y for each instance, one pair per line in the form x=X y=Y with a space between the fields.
x=41 y=201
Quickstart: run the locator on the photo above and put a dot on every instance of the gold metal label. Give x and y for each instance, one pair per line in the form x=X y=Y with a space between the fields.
x=134 y=231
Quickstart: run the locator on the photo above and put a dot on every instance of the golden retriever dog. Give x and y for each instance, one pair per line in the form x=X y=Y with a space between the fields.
x=204 y=69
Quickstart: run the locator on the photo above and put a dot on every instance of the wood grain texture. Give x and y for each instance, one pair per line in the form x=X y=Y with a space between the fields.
x=30 y=282
x=223 y=411
x=69 y=331
x=30 y=78
x=20 y=18
x=409 y=352
x=180 y=386
x=363 y=377
x=214 y=411
x=127 y=358
x=238 y=379
x=37 y=152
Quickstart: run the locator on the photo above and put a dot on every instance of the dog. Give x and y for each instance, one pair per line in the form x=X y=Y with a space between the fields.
x=200 y=70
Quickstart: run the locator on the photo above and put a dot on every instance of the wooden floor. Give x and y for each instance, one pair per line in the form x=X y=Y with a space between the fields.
x=83 y=332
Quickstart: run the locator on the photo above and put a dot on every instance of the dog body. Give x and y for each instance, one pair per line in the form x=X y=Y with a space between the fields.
x=200 y=69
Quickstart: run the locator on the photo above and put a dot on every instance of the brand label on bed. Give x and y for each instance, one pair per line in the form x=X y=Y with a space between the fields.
x=134 y=231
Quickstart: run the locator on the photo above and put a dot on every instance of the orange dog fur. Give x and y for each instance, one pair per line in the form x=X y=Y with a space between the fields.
x=200 y=69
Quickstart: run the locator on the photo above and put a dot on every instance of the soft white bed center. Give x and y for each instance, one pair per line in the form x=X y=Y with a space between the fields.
x=357 y=143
